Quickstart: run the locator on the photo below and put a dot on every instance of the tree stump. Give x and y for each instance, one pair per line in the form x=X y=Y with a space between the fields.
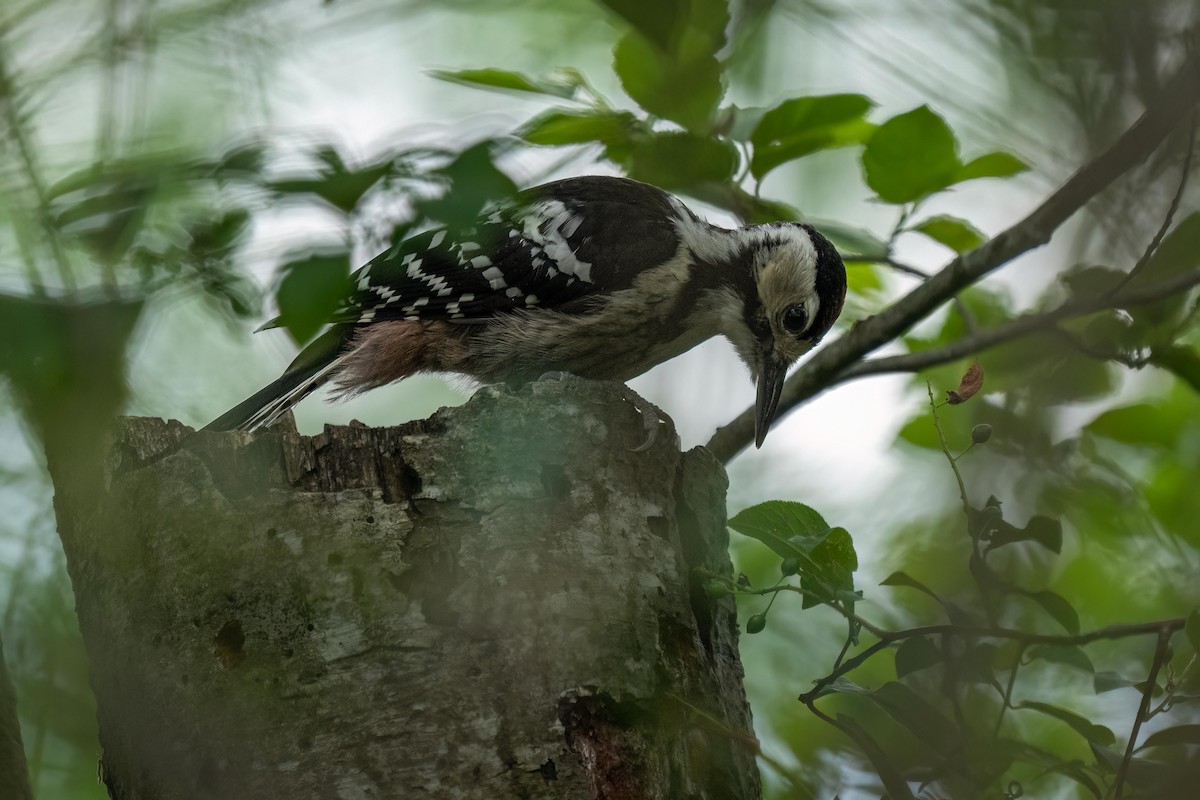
x=501 y=601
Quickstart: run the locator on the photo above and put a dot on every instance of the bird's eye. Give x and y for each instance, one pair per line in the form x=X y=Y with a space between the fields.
x=795 y=319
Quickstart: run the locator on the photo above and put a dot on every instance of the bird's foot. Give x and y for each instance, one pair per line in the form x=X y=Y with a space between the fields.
x=652 y=419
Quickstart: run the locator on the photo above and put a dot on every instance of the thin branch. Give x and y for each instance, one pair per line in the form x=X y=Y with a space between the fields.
x=899 y=266
x=837 y=662
x=1008 y=692
x=1016 y=328
x=937 y=426
x=866 y=624
x=1152 y=248
x=1160 y=654
x=908 y=269
x=888 y=638
x=1132 y=148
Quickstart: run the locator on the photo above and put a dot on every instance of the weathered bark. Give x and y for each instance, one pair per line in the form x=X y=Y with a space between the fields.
x=14 y=772
x=498 y=602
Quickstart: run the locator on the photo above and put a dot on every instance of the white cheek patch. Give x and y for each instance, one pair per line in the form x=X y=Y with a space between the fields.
x=788 y=274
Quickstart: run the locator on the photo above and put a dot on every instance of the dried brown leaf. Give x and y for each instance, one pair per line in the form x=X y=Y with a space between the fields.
x=971 y=383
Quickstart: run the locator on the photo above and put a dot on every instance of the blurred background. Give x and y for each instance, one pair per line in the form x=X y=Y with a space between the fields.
x=179 y=168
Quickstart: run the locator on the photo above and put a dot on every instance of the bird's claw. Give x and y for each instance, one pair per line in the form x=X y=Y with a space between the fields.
x=651 y=417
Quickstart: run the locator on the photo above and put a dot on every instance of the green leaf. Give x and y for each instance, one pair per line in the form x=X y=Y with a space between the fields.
x=106 y=214
x=953 y=612
x=834 y=562
x=1178 y=253
x=506 y=80
x=804 y=125
x=209 y=258
x=1140 y=424
x=1107 y=759
x=916 y=714
x=1108 y=681
x=1184 y=362
x=919 y=432
x=977 y=662
x=336 y=184
x=676 y=28
x=1045 y=531
x=1097 y=734
x=857 y=241
x=957 y=234
x=1179 y=735
x=916 y=654
x=1091 y=280
x=1062 y=654
x=793 y=530
x=863 y=278
x=243 y=161
x=802 y=115
x=474 y=182
x=579 y=127
x=658 y=21
x=678 y=160
x=1051 y=762
x=1007 y=655
x=904 y=579
x=310 y=292
x=992 y=165
x=737 y=123
x=1191 y=629
x=780 y=518
x=1058 y=608
x=893 y=781
x=212 y=238
x=780 y=547
x=684 y=90
x=910 y=156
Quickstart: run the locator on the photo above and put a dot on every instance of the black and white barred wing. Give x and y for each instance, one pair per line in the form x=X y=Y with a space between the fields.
x=558 y=246
x=553 y=249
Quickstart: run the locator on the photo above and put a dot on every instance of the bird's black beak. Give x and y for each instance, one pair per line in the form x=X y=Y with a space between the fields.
x=770 y=386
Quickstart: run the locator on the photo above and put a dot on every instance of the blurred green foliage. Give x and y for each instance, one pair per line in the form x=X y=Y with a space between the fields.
x=1078 y=511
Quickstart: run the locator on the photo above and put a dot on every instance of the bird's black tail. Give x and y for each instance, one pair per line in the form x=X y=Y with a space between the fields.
x=311 y=368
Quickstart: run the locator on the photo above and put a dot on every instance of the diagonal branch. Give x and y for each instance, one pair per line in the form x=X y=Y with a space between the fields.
x=1172 y=106
x=1016 y=328
x=1152 y=248
x=1160 y=652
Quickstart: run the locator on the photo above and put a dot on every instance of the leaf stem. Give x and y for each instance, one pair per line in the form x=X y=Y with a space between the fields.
x=937 y=425
x=1160 y=654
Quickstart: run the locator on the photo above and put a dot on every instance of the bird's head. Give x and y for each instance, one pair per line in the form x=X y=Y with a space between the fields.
x=797 y=292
